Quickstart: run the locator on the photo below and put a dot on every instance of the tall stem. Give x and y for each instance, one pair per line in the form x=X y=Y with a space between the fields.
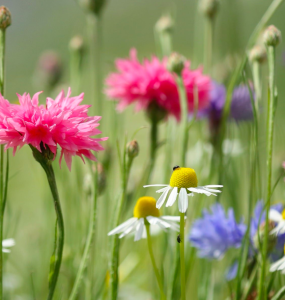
x=208 y=50
x=2 y=71
x=90 y=238
x=126 y=166
x=184 y=119
x=257 y=83
x=158 y=278
x=47 y=166
x=98 y=64
x=182 y=256
x=270 y=128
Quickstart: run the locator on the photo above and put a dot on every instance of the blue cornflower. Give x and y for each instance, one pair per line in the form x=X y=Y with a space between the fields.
x=216 y=232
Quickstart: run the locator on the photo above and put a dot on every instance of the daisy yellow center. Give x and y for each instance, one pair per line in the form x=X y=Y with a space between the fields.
x=146 y=206
x=183 y=178
x=283 y=214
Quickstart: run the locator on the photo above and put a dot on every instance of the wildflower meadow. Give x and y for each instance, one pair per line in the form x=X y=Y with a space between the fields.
x=142 y=151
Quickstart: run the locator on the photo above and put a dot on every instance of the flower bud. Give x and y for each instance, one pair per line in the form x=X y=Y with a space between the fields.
x=164 y=24
x=87 y=184
x=176 y=63
x=209 y=7
x=271 y=36
x=155 y=112
x=76 y=43
x=94 y=6
x=133 y=149
x=257 y=53
x=259 y=237
x=49 y=70
x=5 y=17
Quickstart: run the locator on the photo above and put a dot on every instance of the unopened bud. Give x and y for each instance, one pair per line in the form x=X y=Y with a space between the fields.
x=164 y=24
x=133 y=149
x=49 y=70
x=259 y=237
x=87 y=184
x=271 y=36
x=176 y=63
x=5 y=17
x=155 y=112
x=94 y=6
x=209 y=7
x=257 y=53
x=76 y=43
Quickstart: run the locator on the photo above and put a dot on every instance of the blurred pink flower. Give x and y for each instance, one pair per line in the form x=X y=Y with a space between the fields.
x=60 y=122
x=151 y=81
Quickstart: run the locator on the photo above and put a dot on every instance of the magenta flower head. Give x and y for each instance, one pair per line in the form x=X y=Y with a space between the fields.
x=150 y=82
x=62 y=122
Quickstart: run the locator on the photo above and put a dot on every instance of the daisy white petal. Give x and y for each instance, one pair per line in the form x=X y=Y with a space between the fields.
x=278 y=265
x=123 y=226
x=279 y=229
x=183 y=200
x=154 y=220
x=139 y=229
x=171 y=218
x=199 y=190
x=214 y=186
x=211 y=190
x=8 y=243
x=129 y=229
x=162 y=190
x=275 y=216
x=162 y=198
x=6 y=250
x=172 y=197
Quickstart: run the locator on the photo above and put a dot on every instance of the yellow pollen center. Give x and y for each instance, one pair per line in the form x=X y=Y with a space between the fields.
x=283 y=214
x=146 y=206
x=183 y=178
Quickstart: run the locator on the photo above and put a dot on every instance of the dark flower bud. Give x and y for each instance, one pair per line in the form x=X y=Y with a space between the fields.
x=164 y=24
x=94 y=6
x=133 y=149
x=257 y=53
x=155 y=112
x=5 y=17
x=209 y=7
x=271 y=36
x=176 y=63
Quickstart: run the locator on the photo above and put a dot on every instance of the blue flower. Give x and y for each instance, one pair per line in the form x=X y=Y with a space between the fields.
x=216 y=232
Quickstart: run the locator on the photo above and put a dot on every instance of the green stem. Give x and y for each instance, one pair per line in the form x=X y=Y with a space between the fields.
x=75 y=69
x=266 y=17
x=90 y=238
x=158 y=278
x=208 y=50
x=2 y=72
x=270 y=128
x=46 y=164
x=184 y=119
x=182 y=256
x=257 y=83
x=114 y=264
x=98 y=64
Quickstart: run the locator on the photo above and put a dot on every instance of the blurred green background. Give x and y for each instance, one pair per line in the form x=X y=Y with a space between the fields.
x=38 y=26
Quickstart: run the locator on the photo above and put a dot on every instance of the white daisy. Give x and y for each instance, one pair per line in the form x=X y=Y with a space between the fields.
x=278 y=218
x=145 y=211
x=279 y=265
x=182 y=181
x=7 y=244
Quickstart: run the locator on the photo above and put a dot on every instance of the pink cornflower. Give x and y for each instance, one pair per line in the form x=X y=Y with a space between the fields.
x=60 y=122
x=150 y=81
